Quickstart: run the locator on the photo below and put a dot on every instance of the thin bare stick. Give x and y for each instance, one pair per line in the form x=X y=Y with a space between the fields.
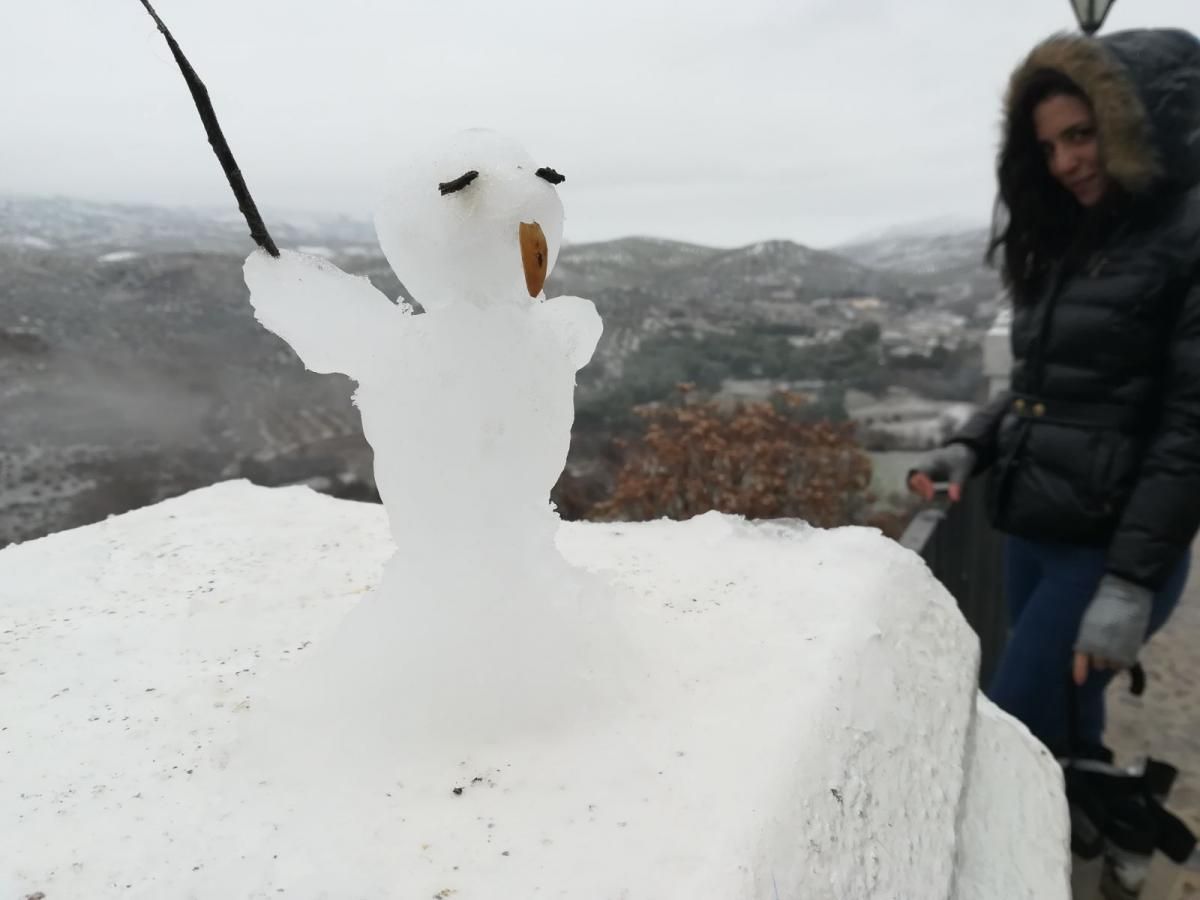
x=258 y=230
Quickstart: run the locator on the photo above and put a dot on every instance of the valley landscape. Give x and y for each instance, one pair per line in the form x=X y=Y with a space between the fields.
x=131 y=368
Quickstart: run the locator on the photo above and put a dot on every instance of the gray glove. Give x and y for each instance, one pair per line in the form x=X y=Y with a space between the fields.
x=953 y=463
x=1115 y=624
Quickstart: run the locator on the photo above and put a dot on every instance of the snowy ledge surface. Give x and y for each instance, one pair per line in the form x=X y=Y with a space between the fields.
x=810 y=727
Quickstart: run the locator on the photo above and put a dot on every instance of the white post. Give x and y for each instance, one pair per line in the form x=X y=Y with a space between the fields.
x=997 y=353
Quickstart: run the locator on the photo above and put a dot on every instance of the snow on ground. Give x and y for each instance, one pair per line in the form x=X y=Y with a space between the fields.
x=803 y=726
x=27 y=240
x=118 y=256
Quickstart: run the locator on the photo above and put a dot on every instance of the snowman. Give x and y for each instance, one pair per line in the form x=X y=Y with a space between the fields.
x=469 y=406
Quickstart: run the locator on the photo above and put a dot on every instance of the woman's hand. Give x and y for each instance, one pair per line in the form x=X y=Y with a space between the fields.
x=1113 y=627
x=952 y=463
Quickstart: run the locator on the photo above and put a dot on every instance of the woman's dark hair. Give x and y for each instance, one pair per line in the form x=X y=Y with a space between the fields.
x=1035 y=221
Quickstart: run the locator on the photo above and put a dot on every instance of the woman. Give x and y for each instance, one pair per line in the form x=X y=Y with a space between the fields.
x=1093 y=456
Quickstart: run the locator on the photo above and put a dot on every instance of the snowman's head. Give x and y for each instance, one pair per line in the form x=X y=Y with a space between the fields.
x=475 y=221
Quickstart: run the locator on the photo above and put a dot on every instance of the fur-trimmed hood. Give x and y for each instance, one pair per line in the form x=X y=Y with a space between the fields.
x=1145 y=89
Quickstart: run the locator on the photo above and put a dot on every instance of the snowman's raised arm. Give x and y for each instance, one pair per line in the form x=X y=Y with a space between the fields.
x=576 y=323
x=335 y=322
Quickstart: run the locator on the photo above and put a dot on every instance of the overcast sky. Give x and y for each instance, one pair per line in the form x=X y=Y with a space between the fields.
x=717 y=122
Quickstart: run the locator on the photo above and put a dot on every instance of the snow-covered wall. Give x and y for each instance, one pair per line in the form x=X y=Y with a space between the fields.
x=797 y=719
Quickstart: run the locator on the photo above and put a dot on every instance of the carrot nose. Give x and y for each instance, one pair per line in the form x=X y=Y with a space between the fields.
x=535 y=256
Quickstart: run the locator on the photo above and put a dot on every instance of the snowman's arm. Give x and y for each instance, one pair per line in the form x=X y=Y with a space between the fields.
x=577 y=323
x=335 y=322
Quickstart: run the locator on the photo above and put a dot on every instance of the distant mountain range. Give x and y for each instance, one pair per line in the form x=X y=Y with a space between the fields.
x=131 y=367
x=71 y=225
x=922 y=253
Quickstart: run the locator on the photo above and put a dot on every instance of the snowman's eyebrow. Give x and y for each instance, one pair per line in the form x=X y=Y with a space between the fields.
x=550 y=175
x=449 y=187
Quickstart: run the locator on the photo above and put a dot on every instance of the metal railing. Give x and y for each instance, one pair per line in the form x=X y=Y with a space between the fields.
x=965 y=554
x=956 y=540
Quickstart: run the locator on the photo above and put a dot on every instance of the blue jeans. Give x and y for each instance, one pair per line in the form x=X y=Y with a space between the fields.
x=1048 y=587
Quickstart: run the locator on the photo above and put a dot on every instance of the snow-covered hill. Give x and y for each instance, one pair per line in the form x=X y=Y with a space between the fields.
x=73 y=225
x=928 y=247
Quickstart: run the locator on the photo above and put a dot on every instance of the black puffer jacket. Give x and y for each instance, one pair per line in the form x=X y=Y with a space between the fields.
x=1098 y=442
